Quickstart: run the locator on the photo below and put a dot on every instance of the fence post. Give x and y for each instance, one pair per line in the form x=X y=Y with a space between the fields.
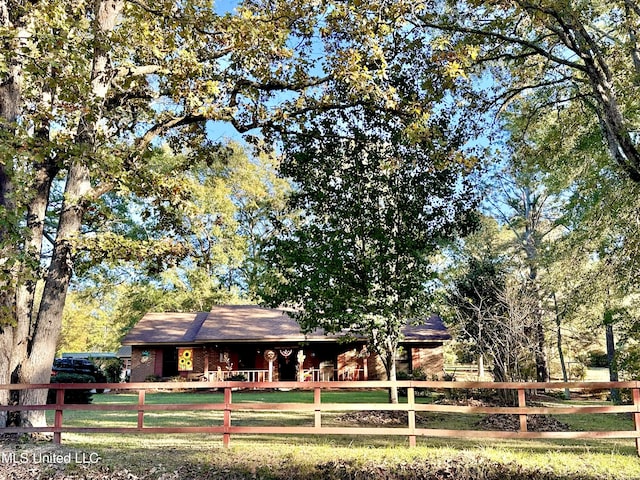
x=141 y=399
x=57 y=422
x=522 y=402
x=226 y=435
x=411 y=414
x=317 y=396
x=636 y=415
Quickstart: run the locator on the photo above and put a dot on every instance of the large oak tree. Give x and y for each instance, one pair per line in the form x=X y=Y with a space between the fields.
x=88 y=87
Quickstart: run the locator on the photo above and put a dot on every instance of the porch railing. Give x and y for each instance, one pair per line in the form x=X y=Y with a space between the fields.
x=308 y=375
x=317 y=408
x=226 y=375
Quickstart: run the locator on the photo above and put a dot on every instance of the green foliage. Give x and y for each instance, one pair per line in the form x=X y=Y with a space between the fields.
x=372 y=206
x=88 y=325
x=227 y=208
x=596 y=359
x=627 y=360
x=91 y=91
x=112 y=368
x=577 y=371
x=553 y=56
x=74 y=395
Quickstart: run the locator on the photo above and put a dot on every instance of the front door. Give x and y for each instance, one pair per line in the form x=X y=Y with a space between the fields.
x=287 y=363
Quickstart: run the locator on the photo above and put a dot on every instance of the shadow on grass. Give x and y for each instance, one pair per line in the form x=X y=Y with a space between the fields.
x=342 y=457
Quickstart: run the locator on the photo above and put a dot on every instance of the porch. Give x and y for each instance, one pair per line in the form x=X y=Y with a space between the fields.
x=325 y=374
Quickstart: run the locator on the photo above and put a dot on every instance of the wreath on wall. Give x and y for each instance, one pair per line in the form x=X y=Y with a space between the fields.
x=286 y=352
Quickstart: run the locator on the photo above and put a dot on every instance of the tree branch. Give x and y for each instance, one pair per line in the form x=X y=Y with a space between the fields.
x=500 y=36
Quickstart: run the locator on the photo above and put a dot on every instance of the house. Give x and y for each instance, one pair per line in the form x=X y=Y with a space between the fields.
x=261 y=344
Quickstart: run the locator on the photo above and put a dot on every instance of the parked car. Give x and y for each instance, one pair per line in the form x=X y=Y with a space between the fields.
x=78 y=366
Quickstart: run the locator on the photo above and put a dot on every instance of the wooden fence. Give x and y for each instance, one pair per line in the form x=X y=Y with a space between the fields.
x=411 y=430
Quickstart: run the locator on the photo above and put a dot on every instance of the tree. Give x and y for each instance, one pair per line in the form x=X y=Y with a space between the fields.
x=491 y=311
x=594 y=266
x=223 y=209
x=373 y=205
x=89 y=88
x=223 y=213
x=524 y=205
x=600 y=216
x=495 y=315
x=584 y=51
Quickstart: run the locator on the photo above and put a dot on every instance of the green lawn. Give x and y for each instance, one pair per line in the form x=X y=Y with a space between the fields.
x=338 y=457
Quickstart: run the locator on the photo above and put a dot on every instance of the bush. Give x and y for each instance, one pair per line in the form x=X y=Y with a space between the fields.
x=71 y=396
x=597 y=359
x=112 y=368
x=628 y=361
x=417 y=374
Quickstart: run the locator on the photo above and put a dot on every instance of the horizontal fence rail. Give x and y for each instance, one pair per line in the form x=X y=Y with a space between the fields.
x=411 y=430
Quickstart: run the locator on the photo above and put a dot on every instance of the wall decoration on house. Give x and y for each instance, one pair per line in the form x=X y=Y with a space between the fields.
x=144 y=357
x=286 y=352
x=270 y=356
x=185 y=359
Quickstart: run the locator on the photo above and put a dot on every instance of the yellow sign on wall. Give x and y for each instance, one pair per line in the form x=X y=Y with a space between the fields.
x=185 y=359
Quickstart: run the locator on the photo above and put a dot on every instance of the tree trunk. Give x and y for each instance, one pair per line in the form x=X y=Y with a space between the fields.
x=611 y=357
x=387 y=349
x=532 y=209
x=480 y=367
x=37 y=366
x=391 y=375
x=563 y=365
x=542 y=364
x=29 y=345
x=10 y=105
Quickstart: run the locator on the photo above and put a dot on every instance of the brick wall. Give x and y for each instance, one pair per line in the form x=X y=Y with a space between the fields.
x=428 y=359
x=141 y=370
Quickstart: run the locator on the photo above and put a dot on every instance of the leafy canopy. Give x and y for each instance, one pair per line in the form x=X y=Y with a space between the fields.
x=372 y=204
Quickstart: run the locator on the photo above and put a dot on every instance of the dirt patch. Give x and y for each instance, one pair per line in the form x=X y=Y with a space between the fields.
x=502 y=422
x=466 y=402
x=535 y=423
x=379 y=417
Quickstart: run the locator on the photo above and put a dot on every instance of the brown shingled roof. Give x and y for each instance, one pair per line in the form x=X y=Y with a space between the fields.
x=166 y=328
x=245 y=323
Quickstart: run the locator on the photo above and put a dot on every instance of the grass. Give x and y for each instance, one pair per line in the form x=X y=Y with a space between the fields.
x=292 y=458
x=452 y=421
x=340 y=456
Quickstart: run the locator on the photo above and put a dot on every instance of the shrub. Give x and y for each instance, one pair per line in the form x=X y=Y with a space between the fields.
x=628 y=360
x=112 y=368
x=71 y=396
x=597 y=359
x=417 y=374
